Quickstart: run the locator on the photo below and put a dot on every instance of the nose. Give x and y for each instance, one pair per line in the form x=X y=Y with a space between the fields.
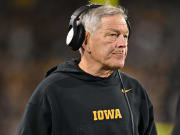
x=121 y=41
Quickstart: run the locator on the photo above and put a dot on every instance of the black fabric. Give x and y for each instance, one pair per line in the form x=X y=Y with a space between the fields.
x=71 y=102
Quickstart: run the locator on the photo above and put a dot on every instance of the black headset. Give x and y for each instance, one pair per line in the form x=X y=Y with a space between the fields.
x=76 y=33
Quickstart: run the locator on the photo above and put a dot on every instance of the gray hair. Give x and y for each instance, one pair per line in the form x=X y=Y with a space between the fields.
x=91 y=19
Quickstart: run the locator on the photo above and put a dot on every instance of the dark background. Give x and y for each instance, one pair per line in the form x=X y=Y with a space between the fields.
x=32 y=40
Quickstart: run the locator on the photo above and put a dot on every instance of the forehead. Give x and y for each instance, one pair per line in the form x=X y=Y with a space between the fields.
x=114 y=21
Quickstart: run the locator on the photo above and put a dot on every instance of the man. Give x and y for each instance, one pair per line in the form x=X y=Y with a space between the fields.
x=176 y=130
x=89 y=96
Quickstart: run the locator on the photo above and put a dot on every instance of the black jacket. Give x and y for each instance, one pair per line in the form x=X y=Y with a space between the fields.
x=71 y=102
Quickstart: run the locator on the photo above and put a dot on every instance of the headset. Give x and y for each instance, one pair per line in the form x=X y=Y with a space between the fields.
x=76 y=33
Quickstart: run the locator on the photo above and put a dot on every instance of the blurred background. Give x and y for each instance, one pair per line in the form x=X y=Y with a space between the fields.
x=32 y=40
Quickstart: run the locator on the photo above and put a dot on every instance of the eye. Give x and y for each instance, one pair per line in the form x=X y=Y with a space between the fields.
x=114 y=35
x=126 y=36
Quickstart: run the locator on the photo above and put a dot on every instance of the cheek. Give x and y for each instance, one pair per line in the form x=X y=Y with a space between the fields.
x=101 y=49
x=105 y=51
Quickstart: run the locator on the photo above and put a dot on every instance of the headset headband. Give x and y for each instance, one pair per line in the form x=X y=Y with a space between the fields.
x=79 y=11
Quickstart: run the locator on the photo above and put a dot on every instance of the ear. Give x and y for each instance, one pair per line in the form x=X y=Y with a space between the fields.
x=85 y=44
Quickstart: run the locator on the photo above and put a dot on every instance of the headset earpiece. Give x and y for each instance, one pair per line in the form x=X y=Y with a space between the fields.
x=76 y=34
x=77 y=37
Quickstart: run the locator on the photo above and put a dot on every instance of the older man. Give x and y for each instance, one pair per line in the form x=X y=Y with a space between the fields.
x=89 y=96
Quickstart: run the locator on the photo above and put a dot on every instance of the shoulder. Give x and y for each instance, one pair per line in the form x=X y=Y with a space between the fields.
x=134 y=84
x=130 y=80
x=139 y=94
x=47 y=87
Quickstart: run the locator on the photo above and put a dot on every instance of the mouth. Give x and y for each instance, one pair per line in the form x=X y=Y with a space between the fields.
x=119 y=53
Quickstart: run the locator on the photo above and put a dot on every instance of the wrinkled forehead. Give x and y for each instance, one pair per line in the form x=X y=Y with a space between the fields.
x=113 y=21
x=116 y=17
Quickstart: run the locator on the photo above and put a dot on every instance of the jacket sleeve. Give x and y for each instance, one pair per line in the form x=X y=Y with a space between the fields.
x=176 y=130
x=148 y=118
x=37 y=117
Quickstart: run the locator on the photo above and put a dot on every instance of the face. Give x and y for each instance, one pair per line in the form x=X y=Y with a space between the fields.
x=108 y=45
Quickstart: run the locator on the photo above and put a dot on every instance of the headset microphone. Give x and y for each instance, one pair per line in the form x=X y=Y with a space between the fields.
x=128 y=103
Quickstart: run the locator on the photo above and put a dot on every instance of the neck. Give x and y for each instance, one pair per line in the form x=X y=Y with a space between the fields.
x=94 y=69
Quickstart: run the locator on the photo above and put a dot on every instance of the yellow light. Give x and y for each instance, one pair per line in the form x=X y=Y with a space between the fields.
x=105 y=2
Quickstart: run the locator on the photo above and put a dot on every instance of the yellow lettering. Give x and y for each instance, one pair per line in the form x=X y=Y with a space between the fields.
x=117 y=114
x=95 y=115
x=109 y=113
x=100 y=115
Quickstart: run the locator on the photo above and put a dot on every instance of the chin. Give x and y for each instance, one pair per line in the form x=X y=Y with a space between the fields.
x=116 y=66
x=119 y=64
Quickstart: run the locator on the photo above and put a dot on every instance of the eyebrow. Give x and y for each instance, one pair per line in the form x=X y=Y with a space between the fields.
x=117 y=31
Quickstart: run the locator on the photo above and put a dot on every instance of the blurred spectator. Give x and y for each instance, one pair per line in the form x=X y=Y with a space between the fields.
x=20 y=40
